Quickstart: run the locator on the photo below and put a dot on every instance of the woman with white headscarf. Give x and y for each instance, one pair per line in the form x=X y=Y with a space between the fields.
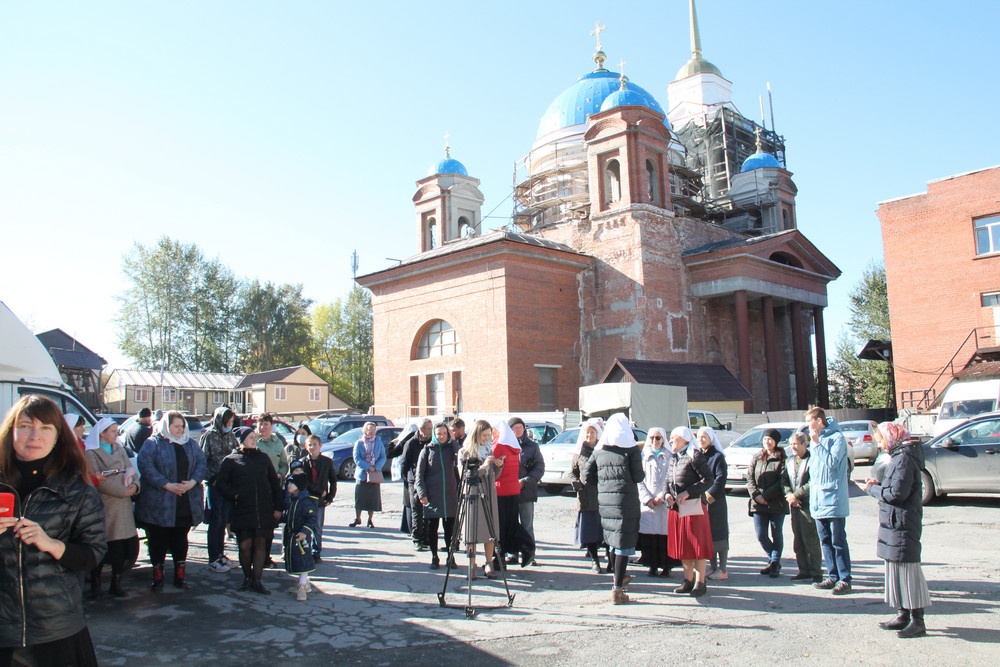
x=616 y=469
x=172 y=500
x=513 y=538
x=589 y=534
x=652 y=491
x=715 y=497
x=117 y=482
x=689 y=534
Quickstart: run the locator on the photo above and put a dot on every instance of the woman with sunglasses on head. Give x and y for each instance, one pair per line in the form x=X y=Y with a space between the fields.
x=652 y=491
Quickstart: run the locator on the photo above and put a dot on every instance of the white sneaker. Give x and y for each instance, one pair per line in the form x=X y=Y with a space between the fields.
x=220 y=567
x=225 y=561
x=300 y=593
x=294 y=588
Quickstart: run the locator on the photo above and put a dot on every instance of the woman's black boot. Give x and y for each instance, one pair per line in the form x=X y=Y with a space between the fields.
x=901 y=621
x=916 y=627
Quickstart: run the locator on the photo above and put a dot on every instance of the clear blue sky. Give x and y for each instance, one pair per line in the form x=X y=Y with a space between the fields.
x=280 y=137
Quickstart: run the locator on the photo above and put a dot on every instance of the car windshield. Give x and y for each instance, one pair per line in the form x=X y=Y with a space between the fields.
x=854 y=426
x=566 y=436
x=755 y=437
x=967 y=408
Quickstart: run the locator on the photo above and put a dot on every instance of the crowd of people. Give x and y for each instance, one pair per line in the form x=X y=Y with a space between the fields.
x=77 y=507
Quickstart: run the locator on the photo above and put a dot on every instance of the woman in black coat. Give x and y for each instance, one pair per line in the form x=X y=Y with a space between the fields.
x=900 y=523
x=768 y=506
x=715 y=497
x=616 y=469
x=436 y=485
x=248 y=480
x=689 y=533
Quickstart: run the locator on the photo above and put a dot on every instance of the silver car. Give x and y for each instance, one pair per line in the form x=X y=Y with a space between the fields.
x=966 y=459
x=861 y=434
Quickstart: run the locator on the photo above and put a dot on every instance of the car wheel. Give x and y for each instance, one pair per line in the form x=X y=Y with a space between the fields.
x=554 y=489
x=927 y=496
x=347 y=469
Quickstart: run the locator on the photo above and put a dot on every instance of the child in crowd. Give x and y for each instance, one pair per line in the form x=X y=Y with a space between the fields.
x=300 y=528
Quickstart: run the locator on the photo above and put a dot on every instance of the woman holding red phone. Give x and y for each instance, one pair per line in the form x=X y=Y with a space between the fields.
x=57 y=531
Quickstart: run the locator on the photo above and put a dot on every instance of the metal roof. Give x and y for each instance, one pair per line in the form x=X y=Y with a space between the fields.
x=704 y=382
x=265 y=377
x=175 y=379
x=484 y=239
x=585 y=97
x=69 y=352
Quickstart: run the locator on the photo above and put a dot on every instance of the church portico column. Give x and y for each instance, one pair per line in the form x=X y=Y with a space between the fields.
x=822 y=388
x=802 y=381
x=770 y=352
x=743 y=341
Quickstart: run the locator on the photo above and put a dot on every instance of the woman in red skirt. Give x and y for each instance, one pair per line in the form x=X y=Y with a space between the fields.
x=689 y=533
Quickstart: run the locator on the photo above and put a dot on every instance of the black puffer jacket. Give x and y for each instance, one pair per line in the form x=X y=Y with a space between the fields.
x=616 y=471
x=247 y=478
x=531 y=468
x=70 y=511
x=688 y=472
x=900 y=512
x=766 y=478
x=437 y=479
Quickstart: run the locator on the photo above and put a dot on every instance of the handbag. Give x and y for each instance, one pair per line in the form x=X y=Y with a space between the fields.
x=691 y=507
x=374 y=476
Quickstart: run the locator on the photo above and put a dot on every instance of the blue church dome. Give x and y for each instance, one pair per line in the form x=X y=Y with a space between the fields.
x=760 y=160
x=448 y=166
x=585 y=98
x=631 y=95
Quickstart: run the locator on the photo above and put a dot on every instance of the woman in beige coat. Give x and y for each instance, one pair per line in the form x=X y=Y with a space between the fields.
x=117 y=481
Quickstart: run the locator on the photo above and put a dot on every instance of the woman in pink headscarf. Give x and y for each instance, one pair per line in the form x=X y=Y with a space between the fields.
x=900 y=522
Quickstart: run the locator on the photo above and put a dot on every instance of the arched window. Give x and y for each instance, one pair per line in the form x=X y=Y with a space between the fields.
x=438 y=339
x=786 y=219
x=612 y=182
x=786 y=259
x=464 y=228
x=654 y=185
x=432 y=234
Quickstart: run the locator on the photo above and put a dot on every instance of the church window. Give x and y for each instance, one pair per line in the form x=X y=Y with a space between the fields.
x=786 y=219
x=654 y=187
x=464 y=228
x=612 y=182
x=786 y=259
x=987 y=235
x=438 y=340
x=435 y=392
x=432 y=234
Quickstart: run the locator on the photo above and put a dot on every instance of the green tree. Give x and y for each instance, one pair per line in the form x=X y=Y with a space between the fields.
x=329 y=346
x=857 y=383
x=343 y=345
x=276 y=326
x=216 y=343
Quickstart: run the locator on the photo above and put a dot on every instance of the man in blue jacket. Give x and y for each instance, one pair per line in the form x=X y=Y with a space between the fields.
x=828 y=499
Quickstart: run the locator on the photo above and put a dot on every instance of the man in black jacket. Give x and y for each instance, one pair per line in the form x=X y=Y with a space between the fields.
x=532 y=467
x=411 y=453
x=322 y=486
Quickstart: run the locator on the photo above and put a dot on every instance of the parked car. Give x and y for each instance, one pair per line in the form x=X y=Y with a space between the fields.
x=119 y=418
x=329 y=429
x=740 y=453
x=341 y=449
x=542 y=432
x=966 y=459
x=725 y=432
x=558 y=455
x=861 y=434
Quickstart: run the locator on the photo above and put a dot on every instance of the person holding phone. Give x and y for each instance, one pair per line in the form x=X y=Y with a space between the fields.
x=51 y=531
x=117 y=483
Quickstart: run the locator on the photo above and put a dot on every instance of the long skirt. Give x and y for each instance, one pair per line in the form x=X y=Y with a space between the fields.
x=905 y=586
x=588 y=528
x=367 y=497
x=689 y=537
x=654 y=552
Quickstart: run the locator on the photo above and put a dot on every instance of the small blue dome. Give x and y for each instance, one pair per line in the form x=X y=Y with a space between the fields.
x=760 y=160
x=585 y=98
x=448 y=166
x=631 y=96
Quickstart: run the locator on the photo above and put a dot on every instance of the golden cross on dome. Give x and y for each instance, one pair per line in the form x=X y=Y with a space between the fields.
x=447 y=148
x=621 y=68
x=598 y=29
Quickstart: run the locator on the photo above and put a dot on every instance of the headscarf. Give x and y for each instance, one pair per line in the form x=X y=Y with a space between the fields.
x=686 y=435
x=71 y=418
x=163 y=430
x=410 y=428
x=617 y=433
x=507 y=436
x=648 y=451
x=893 y=433
x=598 y=425
x=711 y=433
x=93 y=439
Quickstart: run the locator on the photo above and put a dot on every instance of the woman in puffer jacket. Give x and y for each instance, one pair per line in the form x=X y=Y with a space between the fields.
x=900 y=523
x=51 y=530
x=768 y=505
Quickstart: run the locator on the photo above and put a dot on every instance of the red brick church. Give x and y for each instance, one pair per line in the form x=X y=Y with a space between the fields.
x=639 y=234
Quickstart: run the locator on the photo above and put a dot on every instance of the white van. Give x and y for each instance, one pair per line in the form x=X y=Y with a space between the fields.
x=962 y=401
x=725 y=432
x=27 y=368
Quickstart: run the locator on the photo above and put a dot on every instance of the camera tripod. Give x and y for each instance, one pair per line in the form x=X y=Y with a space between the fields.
x=472 y=495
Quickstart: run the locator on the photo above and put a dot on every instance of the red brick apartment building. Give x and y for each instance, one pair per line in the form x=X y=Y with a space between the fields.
x=942 y=264
x=635 y=235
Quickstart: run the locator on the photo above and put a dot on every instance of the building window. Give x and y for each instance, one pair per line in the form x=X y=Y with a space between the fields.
x=990 y=299
x=987 y=235
x=169 y=395
x=432 y=234
x=435 y=392
x=141 y=395
x=218 y=397
x=314 y=395
x=465 y=230
x=546 y=388
x=438 y=340
x=654 y=185
x=612 y=182
x=280 y=393
x=456 y=389
x=414 y=396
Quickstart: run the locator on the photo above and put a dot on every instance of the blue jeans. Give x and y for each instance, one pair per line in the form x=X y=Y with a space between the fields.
x=775 y=543
x=836 y=555
x=218 y=517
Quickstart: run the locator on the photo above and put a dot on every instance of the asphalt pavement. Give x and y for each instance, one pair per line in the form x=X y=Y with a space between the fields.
x=376 y=602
